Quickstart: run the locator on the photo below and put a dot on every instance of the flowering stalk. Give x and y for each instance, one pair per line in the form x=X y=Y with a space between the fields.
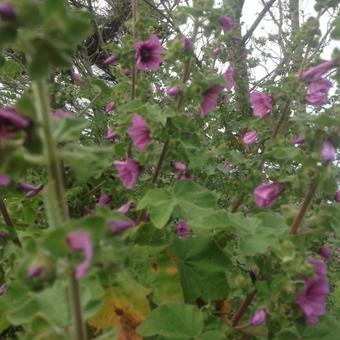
x=303 y=209
x=9 y=223
x=281 y=120
x=134 y=29
x=55 y=203
x=185 y=77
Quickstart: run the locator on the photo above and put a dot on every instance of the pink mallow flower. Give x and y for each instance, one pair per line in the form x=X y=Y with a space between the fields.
x=317 y=92
x=261 y=103
x=109 y=106
x=226 y=23
x=259 y=317
x=117 y=227
x=124 y=209
x=327 y=151
x=266 y=194
x=4 y=181
x=148 y=53
x=325 y=252
x=30 y=189
x=217 y=51
x=229 y=77
x=312 y=299
x=316 y=72
x=11 y=122
x=182 y=229
x=34 y=272
x=7 y=12
x=187 y=45
x=228 y=166
x=111 y=135
x=80 y=241
x=298 y=140
x=250 y=137
x=110 y=59
x=76 y=77
x=139 y=132
x=173 y=91
x=60 y=114
x=128 y=172
x=103 y=200
x=337 y=196
x=209 y=101
x=3 y=289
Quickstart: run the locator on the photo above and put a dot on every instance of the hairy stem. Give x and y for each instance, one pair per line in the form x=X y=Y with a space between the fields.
x=304 y=207
x=242 y=309
x=9 y=223
x=55 y=199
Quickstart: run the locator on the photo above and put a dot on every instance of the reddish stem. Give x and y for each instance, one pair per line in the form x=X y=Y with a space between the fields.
x=308 y=199
x=242 y=309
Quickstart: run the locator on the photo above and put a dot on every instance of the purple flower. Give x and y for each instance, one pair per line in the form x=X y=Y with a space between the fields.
x=148 y=53
x=173 y=91
x=261 y=103
x=312 y=299
x=179 y=166
x=80 y=240
x=60 y=114
x=259 y=317
x=229 y=77
x=327 y=151
x=3 y=289
x=34 y=272
x=117 y=227
x=250 y=137
x=316 y=72
x=76 y=77
x=111 y=135
x=187 y=45
x=4 y=181
x=266 y=194
x=182 y=229
x=298 y=140
x=3 y=234
x=124 y=209
x=128 y=172
x=325 y=252
x=127 y=72
x=337 y=196
x=11 y=123
x=317 y=92
x=228 y=165
x=209 y=101
x=139 y=132
x=103 y=200
x=217 y=51
x=7 y=12
x=30 y=189
x=109 y=106
x=110 y=59
x=226 y=23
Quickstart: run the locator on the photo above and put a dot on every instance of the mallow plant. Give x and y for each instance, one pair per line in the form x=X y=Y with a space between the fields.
x=179 y=199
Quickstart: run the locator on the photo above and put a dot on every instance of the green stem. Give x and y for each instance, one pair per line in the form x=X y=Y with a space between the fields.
x=55 y=203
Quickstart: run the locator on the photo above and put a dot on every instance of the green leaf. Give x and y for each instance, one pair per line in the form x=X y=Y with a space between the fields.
x=68 y=129
x=173 y=321
x=23 y=313
x=189 y=199
x=328 y=329
x=202 y=266
x=261 y=233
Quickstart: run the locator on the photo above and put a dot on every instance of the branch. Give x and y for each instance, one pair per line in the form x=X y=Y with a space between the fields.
x=257 y=21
